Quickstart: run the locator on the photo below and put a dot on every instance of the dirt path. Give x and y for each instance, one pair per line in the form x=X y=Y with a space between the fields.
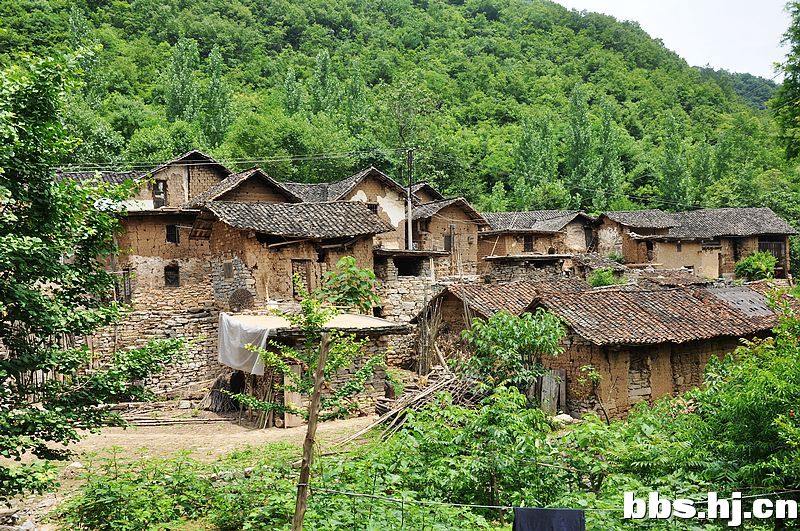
x=209 y=441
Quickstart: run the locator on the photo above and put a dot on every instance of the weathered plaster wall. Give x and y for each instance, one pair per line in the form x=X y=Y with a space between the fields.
x=391 y=208
x=705 y=261
x=270 y=268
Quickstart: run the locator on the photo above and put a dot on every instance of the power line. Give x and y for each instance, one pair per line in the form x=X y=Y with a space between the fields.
x=129 y=165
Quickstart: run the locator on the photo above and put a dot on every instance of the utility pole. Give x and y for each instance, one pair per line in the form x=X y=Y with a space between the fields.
x=409 y=206
x=311 y=432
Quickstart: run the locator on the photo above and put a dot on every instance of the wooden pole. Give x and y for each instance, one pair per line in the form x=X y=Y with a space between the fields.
x=311 y=431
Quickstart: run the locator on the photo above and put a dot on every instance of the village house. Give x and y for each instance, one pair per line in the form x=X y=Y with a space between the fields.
x=645 y=340
x=520 y=245
x=707 y=241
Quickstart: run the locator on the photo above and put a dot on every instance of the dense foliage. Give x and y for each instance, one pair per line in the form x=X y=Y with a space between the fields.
x=603 y=276
x=54 y=287
x=759 y=265
x=507 y=349
x=559 y=107
x=739 y=433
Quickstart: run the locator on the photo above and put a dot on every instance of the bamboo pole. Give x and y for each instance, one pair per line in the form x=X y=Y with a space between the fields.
x=311 y=431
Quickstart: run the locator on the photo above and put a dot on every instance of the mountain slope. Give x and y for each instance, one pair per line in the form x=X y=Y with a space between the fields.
x=562 y=108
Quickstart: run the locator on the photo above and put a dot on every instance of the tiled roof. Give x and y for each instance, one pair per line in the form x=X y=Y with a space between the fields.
x=648 y=316
x=711 y=223
x=651 y=219
x=530 y=221
x=311 y=193
x=430 y=189
x=707 y=223
x=341 y=219
x=235 y=179
x=426 y=210
x=111 y=177
x=513 y=297
x=334 y=191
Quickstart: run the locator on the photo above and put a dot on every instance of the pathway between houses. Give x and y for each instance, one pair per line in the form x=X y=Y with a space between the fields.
x=207 y=442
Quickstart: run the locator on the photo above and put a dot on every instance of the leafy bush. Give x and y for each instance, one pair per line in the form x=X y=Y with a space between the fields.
x=759 y=265
x=603 y=277
x=617 y=257
x=508 y=348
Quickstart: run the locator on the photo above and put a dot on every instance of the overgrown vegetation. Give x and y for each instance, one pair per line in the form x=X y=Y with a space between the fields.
x=759 y=265
x=54 y=287
x=603 y=276
x=739 y=433
x=507 y=349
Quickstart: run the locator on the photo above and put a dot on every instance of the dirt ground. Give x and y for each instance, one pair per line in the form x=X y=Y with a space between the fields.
x=205 y=441
x=209 y=441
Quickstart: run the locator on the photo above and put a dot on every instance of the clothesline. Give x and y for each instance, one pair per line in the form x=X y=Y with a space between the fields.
x=509 y=507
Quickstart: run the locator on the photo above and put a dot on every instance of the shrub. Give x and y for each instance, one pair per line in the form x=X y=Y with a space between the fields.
x=507 y=348
x=603 y=277
x=756 y=266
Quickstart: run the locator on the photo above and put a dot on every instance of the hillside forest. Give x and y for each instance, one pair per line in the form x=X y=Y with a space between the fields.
x=514 y=104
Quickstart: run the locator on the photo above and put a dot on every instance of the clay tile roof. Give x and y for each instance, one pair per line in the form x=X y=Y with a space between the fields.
x=111 y=177
x=661 y=315
x=711 y=223
x=334 y=191
x=428 y=188
x=651 y=219
x=342 y=219
x=531 y=221
x=512 y=297
x=234 y=180
x=426 y=210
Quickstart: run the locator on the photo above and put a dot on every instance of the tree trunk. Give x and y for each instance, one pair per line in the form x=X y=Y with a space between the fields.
x=311 y=431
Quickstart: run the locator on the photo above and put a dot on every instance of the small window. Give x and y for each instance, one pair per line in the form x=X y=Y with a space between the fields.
x=527 y=243
x=227 y=269
x=159 y=194
x=172 y=276
x=373 y=207
x=679 y=247
x=424 y=225
x=448 y=243
x=173 y=234
x=408 y=266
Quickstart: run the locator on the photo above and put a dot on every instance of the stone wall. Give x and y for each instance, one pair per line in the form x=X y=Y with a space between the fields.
x=632 y=374
x=512 y=269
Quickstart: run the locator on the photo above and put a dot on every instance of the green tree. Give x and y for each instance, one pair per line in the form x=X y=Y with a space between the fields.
x=786 y=103
x=324 y=84
x=217 y=101
x=580 y=163
x=535 y=160
x=292 y=93
x=507 y=349
x=182 y=87
x=672 y=167
x=53 y=286
x=608 y=172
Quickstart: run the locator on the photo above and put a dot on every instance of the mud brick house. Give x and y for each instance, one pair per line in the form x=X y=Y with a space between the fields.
x=707 y=241
x=519 y=245
x=449 y=226
x=647 y=340
x=257 y=248
x=382 y=194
